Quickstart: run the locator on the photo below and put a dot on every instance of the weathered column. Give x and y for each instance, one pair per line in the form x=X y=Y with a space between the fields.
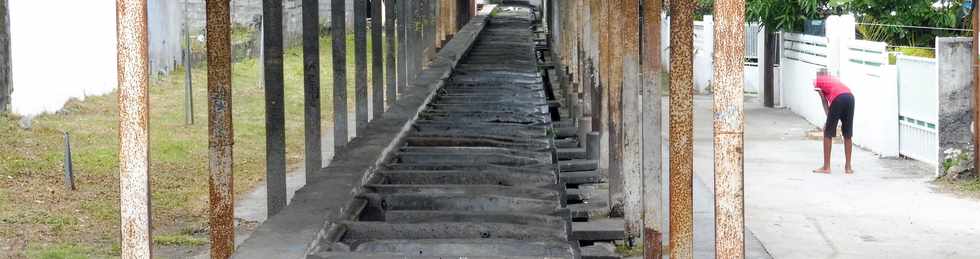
x=6 y=85
x=275 y=117
x=632 y=179
x=681 y=129
x=401 y=28
x=976 y=85
x=220 y=129
x=729 y=127
x=653 y=214
x=360 y=66
x=616 y=147
x=338 y=34
x=133 y=59
x=311 y=85
x=391 y=83
x=593 y=68
x=377 y=62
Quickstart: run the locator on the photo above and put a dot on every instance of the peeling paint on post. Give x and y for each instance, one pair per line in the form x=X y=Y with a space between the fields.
x=681 y=129
x=377 y=62
x=220 y=129
x=391 y=94
x=338 y=34
x=360 y=67
x=134 y=135
x=275 y=116
x=729 y=128
x=632 y=151
x=652 y=132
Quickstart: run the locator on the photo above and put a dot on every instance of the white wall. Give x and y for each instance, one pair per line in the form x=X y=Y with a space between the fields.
x=61 y=49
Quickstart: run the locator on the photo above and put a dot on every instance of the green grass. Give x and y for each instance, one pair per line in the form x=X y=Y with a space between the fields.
x=627 y=251
x=178 y=240
x=35 y=208
x=62 y=251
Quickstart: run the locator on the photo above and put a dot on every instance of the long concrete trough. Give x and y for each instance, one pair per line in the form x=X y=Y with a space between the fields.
x=464 y=165
x=477 y=174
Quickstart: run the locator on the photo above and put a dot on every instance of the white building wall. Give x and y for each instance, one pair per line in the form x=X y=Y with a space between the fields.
x=61 y=49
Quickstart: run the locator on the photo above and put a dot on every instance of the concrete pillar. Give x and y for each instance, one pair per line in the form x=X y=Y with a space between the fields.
x=6 y=84
x=377 y=62
x=729 y=126
x=391 y=45
x=681 y=216
x=311 y=86
x=616 y=147
x=652 y=158
x=275 y=116
x=361 y=105
x=338 y=33
x=956 y=94
x=133 y=59
x=632 y=179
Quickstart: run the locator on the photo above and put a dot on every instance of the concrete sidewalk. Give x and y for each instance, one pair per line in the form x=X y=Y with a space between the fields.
x=888 y=209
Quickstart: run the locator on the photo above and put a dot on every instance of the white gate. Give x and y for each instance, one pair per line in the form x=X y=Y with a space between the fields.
x=918 y=91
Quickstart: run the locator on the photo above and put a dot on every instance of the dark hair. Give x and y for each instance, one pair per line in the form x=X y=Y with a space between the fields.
x=822 y=71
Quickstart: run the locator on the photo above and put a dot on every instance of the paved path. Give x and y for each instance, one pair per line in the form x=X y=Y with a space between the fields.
x=889 y=209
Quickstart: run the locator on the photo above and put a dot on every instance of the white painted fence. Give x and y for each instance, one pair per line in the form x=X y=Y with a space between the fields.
x=918 y=100
x=864 y=68
x=802 y=56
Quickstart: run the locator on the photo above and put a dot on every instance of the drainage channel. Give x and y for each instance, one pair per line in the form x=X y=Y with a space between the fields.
x=477 y=175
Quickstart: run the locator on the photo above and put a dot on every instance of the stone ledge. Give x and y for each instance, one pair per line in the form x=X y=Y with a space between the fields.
x=295 y=232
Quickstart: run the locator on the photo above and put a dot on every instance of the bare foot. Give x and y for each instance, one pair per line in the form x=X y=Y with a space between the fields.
x=822 y=170
x=848 y=170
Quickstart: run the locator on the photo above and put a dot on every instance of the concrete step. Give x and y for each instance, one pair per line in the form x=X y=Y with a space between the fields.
x=581 y=177
x=505 y=178
x=578 y=165
x=609 y=229
x=600 y=250
x=366 y=231
x=471 y=202
x=571 y=153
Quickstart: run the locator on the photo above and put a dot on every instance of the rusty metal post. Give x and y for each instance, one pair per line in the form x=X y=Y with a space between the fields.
x=275 y=116
x=391 y=83
x=616 y=147
x=338 y=33
x=976 y=85
x=134 y=130
x=595 y=7
x=632 y=151
x=681 y=245
x=360 y=67
x=377 y=62
x=729 y=128
x=220 y=129
x=652 y=132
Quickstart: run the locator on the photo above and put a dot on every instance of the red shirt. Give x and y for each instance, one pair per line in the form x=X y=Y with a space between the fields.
x=831 y=87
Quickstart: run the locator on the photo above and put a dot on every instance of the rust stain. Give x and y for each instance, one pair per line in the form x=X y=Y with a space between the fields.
x=134 y=166
x=632 y=82
x=220 y=130
x=652 y=248
x=681 y=242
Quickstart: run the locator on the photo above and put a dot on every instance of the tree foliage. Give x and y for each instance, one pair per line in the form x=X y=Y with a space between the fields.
x=791 y=15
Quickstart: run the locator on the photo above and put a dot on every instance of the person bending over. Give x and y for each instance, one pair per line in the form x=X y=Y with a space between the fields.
x=838 y=104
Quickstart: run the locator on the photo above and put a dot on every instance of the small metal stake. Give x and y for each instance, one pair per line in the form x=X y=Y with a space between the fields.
x=69 y=175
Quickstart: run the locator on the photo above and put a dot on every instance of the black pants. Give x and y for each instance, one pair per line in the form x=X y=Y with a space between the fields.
x=842 y=109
